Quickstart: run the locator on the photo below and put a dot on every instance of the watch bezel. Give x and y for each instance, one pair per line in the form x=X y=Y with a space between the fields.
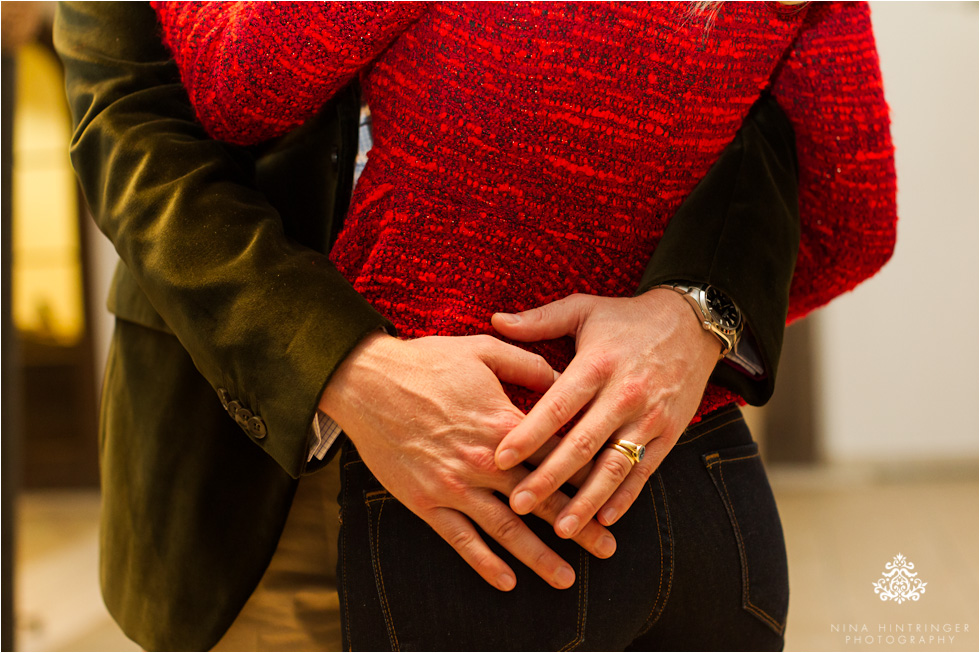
x=719 y=320
x=697 y=297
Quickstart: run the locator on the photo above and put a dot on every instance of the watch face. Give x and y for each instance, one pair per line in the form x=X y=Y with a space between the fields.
x=722 y=309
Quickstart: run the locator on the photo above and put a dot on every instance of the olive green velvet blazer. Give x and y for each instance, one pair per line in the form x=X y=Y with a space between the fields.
x=224 y=294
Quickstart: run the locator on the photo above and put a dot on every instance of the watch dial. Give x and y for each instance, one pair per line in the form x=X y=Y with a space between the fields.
x=722 y=308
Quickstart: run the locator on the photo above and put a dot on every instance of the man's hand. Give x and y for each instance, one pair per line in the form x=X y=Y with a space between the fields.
x=640 y=368
x=426 y=416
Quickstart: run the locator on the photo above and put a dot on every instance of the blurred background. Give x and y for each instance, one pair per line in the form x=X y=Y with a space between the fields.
x=871 y=438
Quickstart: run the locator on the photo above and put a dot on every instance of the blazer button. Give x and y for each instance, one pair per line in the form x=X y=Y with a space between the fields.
x=257 y=427
x=233 y=407
x=224 y=396
x=334 y=155
x=242 y=417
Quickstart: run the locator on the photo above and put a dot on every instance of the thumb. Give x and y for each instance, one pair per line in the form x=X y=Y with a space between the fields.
x=554 y=320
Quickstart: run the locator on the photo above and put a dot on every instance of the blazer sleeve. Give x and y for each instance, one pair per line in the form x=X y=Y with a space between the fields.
x=739 y=230
x=265 y=319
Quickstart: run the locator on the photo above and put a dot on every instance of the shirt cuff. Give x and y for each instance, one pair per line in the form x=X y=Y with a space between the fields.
x=745 y=356
x=324 y=432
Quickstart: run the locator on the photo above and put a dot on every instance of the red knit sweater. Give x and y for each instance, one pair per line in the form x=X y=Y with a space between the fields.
x=525 y=152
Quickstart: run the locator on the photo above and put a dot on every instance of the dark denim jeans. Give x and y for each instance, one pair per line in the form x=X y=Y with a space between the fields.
x=701 y=565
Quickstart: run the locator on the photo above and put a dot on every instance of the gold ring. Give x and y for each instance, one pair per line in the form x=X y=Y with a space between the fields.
x=631 y=450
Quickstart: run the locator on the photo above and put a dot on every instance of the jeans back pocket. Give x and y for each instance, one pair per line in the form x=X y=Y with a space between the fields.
x=402 y=587
x=741 y=481
x=432 y=600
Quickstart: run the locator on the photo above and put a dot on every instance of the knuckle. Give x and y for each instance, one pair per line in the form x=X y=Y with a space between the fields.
x=461 y=539
x=543 y=560
x=628 y=494
x=507 y=529
x=504 y=422
x=657 y=448
x=483 y=340
x=560 y=407
x=547 y=481
x=453 y=485
x=420 y=499
x=631 y=394
x=550 y=506
x=582 y=449
x=647 y=421
x=646 y=467
x=655 y=418
x=599 y=367
x=534 y=314
x=482 y=460
x=618 y=466
x=537 y=360
x=587 y=505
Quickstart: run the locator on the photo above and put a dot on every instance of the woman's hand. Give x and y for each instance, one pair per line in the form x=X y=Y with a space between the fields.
x=426 y=416
x=640 y=368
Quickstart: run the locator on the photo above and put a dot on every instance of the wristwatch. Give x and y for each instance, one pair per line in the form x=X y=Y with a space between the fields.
x=717 y=312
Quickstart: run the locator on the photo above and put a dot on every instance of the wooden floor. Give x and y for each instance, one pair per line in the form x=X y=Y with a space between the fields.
x=842 y=526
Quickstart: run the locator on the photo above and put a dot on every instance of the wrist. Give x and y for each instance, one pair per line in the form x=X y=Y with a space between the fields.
x=369 y=356
x=714 y=309
x=702 y=343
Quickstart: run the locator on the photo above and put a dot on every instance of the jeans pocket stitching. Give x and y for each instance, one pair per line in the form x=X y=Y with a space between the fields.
x=717 y=460
x=666 y=559
x=743 y=557
x=682 y=441
x=583 y=601
x=370 y=498
x=711 y=418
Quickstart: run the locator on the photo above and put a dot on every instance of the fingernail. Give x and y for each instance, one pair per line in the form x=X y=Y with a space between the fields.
x=607 y=516
x=606 y=546
x=524 y=502
x=564 y=577
x=510 y=318
x=507 y=458
x=568 y=526
x=506 y=582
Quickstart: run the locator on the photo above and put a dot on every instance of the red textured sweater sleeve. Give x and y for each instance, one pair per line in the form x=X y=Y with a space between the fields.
x=294 y=56
x=830 y=87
